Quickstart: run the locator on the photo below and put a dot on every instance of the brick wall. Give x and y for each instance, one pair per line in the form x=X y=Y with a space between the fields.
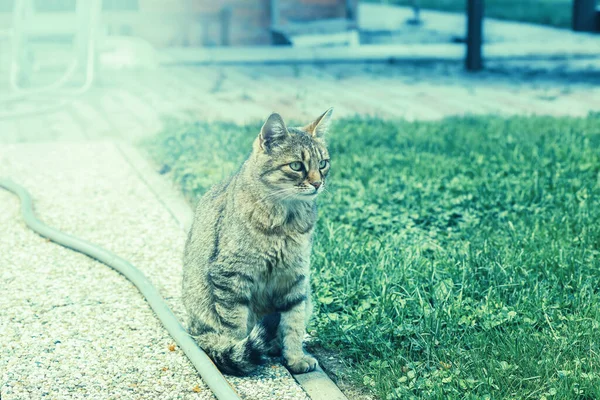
x=303 y=10
x=199 y=22
x=249 y=24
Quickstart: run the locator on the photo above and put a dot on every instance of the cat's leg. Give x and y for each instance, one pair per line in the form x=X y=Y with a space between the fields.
x=276 y=345
x=293 y=308
x=275 y=348
x=239 y=340
x=220 y=323
x=230 y=295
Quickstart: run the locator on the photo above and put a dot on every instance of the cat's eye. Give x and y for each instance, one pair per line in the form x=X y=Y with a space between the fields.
x=323 y=164
x=296 y=166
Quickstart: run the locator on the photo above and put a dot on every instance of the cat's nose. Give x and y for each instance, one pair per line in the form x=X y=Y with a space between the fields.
x=316 y=184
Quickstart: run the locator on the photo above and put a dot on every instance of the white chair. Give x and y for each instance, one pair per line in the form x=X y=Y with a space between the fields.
x=29 y=23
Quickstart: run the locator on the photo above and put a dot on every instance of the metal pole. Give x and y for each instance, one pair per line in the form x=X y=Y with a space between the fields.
x=351 y=10
x=225 y=24
x=474 y=61
x=276 y=37
x=585 y=16
x=274 y=13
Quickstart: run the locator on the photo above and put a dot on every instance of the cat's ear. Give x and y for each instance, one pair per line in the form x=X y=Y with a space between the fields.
x=273 y=131
x=319 y=127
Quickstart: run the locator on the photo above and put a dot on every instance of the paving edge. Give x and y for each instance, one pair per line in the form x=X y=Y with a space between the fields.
x=316 y=384
x=163 y=189
x=367 y=53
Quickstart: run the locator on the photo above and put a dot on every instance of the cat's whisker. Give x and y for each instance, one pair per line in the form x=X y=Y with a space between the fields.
x=274 y=194
x=287 y=192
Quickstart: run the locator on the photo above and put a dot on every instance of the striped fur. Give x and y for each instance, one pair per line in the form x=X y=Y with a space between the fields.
x=246 y=263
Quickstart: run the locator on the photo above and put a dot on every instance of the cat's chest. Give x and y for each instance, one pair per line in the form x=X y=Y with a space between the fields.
x=285 y=253
x=282 y=262
x=289 y=230
x=271 y=287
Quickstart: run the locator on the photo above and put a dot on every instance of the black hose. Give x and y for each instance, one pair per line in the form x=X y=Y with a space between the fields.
x=204 y=365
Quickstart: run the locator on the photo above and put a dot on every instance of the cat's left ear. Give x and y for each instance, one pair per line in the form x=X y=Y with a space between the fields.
x=273 y=130
x=320 y=126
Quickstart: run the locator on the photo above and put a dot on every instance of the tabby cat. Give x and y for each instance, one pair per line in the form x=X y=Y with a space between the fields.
x=247 y=258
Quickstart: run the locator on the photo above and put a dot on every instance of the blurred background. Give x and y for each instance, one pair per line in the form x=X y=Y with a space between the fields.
x=457 y=253
x=57 y=49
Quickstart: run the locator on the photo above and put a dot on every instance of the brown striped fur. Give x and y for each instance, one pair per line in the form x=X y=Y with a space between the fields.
x=246 y=264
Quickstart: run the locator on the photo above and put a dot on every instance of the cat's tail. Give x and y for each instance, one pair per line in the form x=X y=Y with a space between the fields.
x=242 y=357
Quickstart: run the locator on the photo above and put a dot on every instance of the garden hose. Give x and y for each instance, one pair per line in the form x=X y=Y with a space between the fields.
x=205 y=367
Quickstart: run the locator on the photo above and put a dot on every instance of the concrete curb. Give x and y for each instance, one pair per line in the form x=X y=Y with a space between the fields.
x=279 y=55
x=164 y=190
x=319 y=386
x=371 y=53
x=316 y=384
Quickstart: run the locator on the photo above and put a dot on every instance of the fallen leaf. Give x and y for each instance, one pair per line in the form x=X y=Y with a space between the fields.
x=171 y=347
x=446 y=365
x=197 y=389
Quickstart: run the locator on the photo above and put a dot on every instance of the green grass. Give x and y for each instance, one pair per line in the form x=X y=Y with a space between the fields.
x=547 y=12
x=452 y=260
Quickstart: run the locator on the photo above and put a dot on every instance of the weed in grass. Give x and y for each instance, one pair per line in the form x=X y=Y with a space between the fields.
x=453 y=259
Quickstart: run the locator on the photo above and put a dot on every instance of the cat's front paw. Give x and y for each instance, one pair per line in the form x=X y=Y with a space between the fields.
x=302 y=364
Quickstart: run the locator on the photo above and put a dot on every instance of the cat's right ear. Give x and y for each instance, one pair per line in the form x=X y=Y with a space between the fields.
x=272 y=132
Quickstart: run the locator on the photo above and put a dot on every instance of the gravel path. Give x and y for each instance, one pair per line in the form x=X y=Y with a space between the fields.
x=71 y=327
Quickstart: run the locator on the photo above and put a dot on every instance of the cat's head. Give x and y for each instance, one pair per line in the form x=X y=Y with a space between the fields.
x=293 y=162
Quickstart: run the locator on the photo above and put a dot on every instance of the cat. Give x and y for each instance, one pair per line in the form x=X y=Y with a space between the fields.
x=246 y=265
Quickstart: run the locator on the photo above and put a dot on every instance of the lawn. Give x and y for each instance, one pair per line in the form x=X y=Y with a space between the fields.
x=452 y=260
x=547 y=12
